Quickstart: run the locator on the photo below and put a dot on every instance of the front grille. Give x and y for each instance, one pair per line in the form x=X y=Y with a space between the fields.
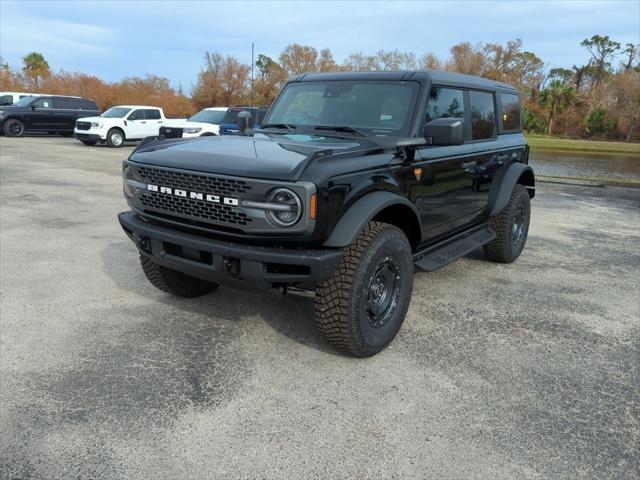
x=196 y=209
x=212 y=212
x=83 y=125
x=194 y=182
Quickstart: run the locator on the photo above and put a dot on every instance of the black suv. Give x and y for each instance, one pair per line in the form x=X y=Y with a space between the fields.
x=354 y=180
x=51 y=114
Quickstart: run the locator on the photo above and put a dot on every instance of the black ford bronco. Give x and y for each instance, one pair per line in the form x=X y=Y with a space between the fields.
x=353 y=181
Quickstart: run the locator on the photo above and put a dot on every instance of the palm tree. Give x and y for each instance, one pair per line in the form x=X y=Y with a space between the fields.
x=35 y=66
x=556 y=97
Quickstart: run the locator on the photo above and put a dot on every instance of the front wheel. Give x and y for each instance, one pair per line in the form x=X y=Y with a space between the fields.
x=360 y=309
x=511 y=226
x=13 y=128
x=115 y=138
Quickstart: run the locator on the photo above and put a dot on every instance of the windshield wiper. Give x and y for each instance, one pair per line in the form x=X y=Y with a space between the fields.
x=340 y=128
x=288 y=126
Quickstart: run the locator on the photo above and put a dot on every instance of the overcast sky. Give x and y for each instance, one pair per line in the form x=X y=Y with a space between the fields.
x=115 y=39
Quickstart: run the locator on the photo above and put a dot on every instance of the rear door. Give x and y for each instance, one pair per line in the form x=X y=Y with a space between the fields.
x=498 y=139
x=65 y=113
x=444 y=192
x=153 y=122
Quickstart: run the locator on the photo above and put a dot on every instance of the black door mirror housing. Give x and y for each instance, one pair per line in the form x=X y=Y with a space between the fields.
x=33 y=107
x=244 y=122
x=445 y=131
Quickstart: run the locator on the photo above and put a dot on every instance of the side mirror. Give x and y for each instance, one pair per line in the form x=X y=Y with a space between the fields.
x=33 y=107
x=445 y=131
x=243 y=121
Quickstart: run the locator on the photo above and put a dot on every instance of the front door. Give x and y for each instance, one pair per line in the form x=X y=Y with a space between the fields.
x=137 y=125
x=42 y=116
x=444 y=193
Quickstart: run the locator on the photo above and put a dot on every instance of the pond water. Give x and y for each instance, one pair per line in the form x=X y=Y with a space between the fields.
x=577 y=164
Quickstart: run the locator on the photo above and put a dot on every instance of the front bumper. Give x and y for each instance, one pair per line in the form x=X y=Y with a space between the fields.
x=85 y=135
x=228 y=263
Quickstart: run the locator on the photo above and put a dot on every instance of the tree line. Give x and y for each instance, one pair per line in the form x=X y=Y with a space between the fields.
x=599 y=99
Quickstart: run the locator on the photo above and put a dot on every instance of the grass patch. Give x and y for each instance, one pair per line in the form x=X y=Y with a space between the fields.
x=540 y=142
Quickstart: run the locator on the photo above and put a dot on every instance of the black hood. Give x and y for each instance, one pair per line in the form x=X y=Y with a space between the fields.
x=266 y=156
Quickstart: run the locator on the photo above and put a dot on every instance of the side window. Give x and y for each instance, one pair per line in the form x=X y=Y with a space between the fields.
x=510 y=112
x=483 y=115
x=6 y=100
x=42 y=103
x=444 y=103
x=66 y=103
x=136 y=115
x=152 y=114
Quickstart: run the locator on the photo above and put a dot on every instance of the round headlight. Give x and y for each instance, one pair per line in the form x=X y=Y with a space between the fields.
x=291 y=210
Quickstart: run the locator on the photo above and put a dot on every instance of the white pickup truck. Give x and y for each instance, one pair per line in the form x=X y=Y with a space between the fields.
x=120 y=124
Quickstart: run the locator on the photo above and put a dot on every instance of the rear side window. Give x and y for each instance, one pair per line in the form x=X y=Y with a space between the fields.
x=445 y=103
x=152 y=114
x=510 y=112
x=84 y=104
x=66 y=103
x=42 y=103
x=6 y=100
x=483 y=115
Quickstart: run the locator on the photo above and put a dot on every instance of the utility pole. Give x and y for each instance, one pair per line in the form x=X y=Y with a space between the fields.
x=251 y=103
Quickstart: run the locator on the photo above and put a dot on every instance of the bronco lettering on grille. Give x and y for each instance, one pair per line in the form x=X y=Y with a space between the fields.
x=193 y=195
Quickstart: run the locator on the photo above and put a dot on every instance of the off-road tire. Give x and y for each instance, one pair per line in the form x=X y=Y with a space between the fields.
x=111 y=138
x=341 y=308
x=13 y=128
x=90 y=143
x=174 y=282
x=503 y=249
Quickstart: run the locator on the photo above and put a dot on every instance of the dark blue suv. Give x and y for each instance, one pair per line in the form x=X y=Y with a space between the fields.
x=229 y=126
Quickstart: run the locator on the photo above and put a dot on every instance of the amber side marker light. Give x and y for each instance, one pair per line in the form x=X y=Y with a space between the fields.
x=312 y=207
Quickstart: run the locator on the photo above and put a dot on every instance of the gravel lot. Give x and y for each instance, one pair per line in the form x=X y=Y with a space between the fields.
x=529 y=370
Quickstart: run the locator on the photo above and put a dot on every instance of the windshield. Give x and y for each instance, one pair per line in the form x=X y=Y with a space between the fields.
x=116 y=112
x=24 y=101
x=209 y=116
x=377 y=108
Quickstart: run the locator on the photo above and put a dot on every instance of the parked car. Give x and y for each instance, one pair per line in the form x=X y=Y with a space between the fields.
x=120 y=124
x=354 y=181
x=203 y=124
x=9 y=98
x=229 y=125
x=51 y=114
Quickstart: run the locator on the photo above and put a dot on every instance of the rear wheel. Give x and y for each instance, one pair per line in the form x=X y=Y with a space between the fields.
x=512 y=228
x=115 y=138
x=174 y=282
x=360 y=309
x=13 y=128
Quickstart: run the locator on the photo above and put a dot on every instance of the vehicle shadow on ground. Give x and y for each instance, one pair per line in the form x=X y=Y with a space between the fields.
x=291 y=316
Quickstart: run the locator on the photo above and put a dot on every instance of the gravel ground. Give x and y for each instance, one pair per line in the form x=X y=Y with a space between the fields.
x=527 y=370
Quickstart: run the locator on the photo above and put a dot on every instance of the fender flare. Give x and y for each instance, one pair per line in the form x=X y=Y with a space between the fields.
x=360 y=213
x=503 y=184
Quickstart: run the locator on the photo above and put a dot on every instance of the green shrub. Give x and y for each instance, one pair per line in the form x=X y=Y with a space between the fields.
x=599 y=124
x=532 y=123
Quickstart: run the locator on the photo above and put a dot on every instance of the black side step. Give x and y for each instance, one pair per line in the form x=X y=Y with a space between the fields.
x=446 y=251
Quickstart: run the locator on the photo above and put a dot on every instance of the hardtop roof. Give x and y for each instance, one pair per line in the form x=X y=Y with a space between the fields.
x=437 y=77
